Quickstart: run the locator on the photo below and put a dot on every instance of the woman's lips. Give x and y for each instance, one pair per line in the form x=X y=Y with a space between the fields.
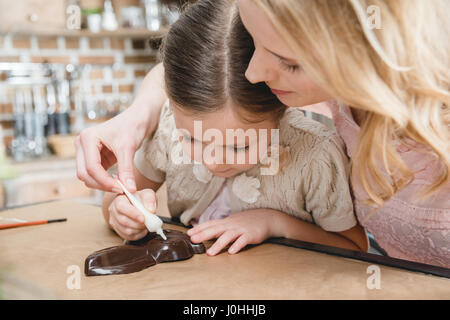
x=280 y=92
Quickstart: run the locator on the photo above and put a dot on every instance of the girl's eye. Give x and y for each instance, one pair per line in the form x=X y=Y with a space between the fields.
x=193 y=141
x=241 y=149
x=185 y=139
x=189 y=140
x=289 y=67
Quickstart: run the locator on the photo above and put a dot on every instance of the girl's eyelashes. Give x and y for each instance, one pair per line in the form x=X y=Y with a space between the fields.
x=192 y=140
x=235 y=149
x=241 y=149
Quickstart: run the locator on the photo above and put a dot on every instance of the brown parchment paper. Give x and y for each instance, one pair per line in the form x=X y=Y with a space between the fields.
x=42 y=255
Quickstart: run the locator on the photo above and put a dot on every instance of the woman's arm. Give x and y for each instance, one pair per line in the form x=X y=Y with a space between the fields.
x=101 y=146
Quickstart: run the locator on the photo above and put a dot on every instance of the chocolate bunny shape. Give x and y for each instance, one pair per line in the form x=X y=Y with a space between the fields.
x=135 y=256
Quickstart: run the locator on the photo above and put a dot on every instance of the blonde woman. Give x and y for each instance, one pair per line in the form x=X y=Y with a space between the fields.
x=387 y=87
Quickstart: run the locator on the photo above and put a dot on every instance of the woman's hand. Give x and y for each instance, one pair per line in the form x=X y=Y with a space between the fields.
x=128 y=221
x=100 y=147
x=243 y=228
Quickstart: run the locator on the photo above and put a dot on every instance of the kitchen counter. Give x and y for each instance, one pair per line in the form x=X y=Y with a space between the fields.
x=45 y=179
x=43 y=164
x=48 y=257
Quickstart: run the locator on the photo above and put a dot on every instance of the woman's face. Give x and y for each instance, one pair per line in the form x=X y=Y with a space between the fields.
x=274 y=63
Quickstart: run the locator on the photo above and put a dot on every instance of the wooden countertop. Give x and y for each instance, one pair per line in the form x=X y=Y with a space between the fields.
x=42 y=256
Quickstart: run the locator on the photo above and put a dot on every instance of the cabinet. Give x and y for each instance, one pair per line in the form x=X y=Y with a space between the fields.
x=48 y=18
x=34 y=13
x=46 y=180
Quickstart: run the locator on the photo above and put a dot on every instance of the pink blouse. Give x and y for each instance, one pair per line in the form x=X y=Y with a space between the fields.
x=406 y=227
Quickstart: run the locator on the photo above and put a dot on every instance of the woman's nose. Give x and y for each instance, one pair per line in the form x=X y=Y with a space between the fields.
x=260 y=69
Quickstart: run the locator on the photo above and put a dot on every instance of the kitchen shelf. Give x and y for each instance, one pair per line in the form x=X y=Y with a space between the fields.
x=34 y=30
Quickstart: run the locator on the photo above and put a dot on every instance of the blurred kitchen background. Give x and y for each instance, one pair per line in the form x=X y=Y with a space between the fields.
x=66 y=65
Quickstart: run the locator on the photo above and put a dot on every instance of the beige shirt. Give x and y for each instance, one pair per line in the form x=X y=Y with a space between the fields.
x=312 y=185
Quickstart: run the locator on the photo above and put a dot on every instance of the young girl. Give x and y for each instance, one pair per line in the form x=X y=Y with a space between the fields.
x=308 y=199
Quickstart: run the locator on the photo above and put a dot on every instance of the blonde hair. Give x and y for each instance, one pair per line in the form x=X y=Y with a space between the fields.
x=398 y=74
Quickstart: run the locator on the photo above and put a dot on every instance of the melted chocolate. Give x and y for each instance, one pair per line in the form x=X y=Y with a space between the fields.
x=135 y=256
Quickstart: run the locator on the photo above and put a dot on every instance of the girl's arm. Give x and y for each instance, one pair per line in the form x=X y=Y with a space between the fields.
x=255 y=226
x=101 y=146
x=327 y=197
x=287 y=226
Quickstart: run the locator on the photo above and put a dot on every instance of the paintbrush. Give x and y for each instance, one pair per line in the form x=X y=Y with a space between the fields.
x=29 y=223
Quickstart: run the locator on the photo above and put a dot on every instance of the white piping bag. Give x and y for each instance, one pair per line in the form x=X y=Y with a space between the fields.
x=152 y=221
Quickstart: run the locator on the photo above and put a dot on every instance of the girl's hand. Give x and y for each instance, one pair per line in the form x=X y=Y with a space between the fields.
x=247 y=227
x=128 y=221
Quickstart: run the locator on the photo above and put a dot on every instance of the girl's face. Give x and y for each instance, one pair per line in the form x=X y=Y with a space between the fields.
x=214 y=145
x=274 y=63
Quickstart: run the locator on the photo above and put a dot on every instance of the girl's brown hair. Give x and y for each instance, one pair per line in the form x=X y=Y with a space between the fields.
x=205 y=56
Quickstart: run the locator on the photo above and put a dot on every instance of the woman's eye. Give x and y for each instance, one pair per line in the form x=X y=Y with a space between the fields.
x=289 y=67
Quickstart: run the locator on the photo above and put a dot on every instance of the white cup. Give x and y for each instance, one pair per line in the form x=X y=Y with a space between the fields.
x=94 y=22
